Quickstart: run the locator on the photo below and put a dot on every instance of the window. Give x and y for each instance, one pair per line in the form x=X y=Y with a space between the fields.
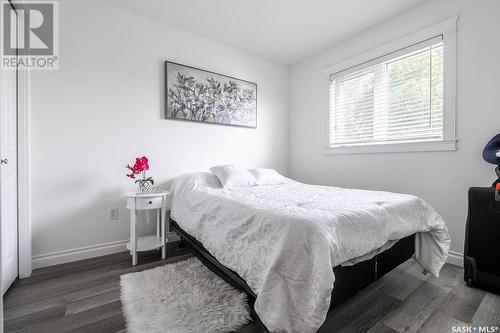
x=394 y=101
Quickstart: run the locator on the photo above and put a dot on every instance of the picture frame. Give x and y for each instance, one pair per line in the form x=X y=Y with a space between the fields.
x=199 y=95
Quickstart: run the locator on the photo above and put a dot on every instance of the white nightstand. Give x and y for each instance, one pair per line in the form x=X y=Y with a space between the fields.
x=147 y=201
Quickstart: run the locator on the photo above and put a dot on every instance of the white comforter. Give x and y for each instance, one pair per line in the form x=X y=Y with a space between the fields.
x=285 y=239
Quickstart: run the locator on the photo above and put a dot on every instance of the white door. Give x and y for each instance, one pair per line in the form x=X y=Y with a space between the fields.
x=8 y=176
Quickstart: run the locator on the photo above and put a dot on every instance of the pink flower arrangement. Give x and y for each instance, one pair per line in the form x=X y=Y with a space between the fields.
x=141 y=165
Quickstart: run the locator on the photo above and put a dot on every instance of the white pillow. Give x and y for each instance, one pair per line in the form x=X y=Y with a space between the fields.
x=268 y=177
x=232 y=176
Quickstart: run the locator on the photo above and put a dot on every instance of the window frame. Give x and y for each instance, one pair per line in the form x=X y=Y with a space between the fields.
x=447 y=29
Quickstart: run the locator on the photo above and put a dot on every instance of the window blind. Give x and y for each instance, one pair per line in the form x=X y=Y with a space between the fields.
x=394 y=98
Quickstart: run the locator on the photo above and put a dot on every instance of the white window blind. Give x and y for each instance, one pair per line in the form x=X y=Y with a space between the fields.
x=394 y=98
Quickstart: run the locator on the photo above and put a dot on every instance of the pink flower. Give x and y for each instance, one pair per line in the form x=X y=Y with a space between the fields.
x=141 y=164
x=144 y=162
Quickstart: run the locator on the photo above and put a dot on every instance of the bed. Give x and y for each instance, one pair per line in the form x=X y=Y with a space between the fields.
x=300 y=249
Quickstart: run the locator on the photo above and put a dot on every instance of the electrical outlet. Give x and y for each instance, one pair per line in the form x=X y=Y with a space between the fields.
x=113 y=213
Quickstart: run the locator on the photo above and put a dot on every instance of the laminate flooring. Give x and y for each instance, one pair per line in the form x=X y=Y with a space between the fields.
x=84 y=296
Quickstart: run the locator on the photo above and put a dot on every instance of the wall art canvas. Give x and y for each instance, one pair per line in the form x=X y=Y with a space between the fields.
x=194 y=94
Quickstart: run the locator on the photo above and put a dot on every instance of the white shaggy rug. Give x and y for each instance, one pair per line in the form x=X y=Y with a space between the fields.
x=181 y=297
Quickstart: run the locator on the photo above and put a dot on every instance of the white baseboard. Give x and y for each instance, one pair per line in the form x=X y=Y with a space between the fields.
x=62 y=257
x=456 y=258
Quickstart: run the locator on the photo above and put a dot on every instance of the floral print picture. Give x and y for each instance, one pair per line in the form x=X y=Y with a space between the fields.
x=198 y=95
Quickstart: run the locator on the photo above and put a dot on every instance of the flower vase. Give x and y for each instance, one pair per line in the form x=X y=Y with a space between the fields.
x=143 y=186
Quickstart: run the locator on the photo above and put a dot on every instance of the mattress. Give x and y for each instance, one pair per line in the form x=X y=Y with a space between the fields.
x=284 y=239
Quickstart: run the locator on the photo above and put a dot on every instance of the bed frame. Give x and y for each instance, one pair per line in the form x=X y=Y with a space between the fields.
x=348 y=280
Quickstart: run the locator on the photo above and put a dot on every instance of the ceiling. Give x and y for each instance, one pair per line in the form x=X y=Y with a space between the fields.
x=285 y=31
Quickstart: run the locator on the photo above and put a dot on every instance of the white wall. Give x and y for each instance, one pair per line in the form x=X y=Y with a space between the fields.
x=105 y=106
x=442 y=178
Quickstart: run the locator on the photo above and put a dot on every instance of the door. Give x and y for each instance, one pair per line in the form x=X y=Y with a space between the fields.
x=8 y=177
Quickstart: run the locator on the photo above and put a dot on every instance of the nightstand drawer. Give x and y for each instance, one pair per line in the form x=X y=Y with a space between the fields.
x=145 y=203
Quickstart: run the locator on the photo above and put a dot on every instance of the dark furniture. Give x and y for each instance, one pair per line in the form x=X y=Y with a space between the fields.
x=482 y=236
x=348 y=280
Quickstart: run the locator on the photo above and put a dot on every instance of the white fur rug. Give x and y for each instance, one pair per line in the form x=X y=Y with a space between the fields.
x=181 y=297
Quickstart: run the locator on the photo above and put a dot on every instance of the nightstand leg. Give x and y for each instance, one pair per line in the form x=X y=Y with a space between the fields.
x=133 y=238
x=134 y=258
x=163 y=212
x=158 y=218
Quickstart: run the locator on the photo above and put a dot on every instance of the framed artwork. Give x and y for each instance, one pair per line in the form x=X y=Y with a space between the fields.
x=194 y=94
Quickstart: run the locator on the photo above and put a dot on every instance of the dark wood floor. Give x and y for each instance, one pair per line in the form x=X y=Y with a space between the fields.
x=84 y=296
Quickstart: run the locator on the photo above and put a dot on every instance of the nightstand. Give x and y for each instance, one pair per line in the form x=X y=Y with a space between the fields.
x=147 y=201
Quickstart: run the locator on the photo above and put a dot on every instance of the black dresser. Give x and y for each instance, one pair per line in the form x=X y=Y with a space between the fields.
x=482 y=240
